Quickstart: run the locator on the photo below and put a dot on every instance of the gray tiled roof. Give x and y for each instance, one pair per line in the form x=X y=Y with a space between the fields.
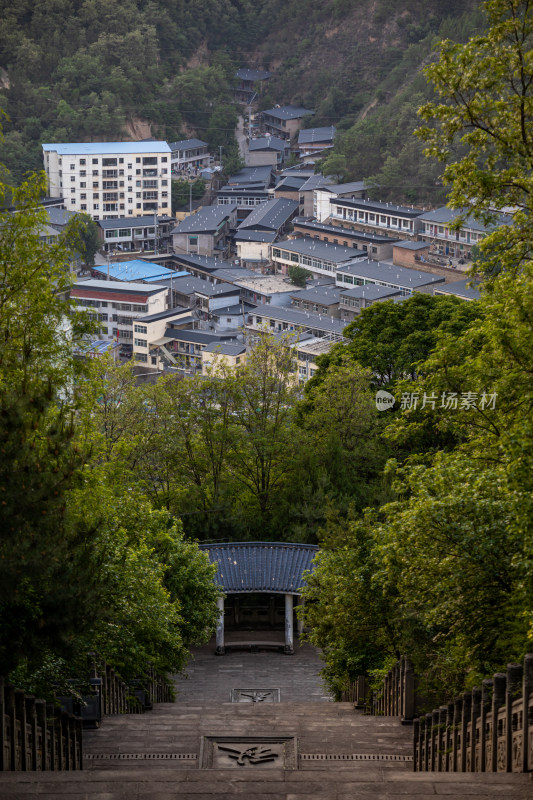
x=224 y=349
x=370 y=292
x=254 y=236
x=326 y=294
x=302 y=319
x=346 y=188
x=267 y=143
x=388 y=273
x=380 y=208
x=336 y=253
x=59 y=216
x=291 y=183
x=125 y=287
x=186 y=144
x=316 y=182
x=195 y=337
x=132 y=222
x=288 y=112
x=340 y=231
x=408 y=245
x=319 y=135
x=246 y=74
x=260 y=174
x=271 y=567
x=206 y=220
x=271 y=215
x=445 y=215
x=467 y=289
x=205 y=262
x=168 y=314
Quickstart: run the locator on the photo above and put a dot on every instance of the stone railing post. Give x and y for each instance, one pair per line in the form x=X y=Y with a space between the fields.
x=514 y=686
x=527 y=691
x=474 y=717
x=449 y=738
x=40 y=711
x=409 y=705
x=465 y=719
x=457 y=734
x=487 y=688
x=498 y=700
x=4 y=743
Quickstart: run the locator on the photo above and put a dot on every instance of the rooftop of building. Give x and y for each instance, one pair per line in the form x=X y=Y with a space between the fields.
x=136 y=270
x=260 y=174
x=288 y=112
x=468 y=289
x=255 y=236
x=382 y=271
x=225 y=349
x=271 y=567
x=94 y=284
x=326 y=294
x=266 y=284
x=371 y=291
x=107 y=148
x=345 y=188
x=267 y=143
x=409 y=245
x=133 y=222
x=206 y=220
x=195 y=336
x=376 y=238
x=248 y=74
x=186 y=144
x=169 y=314
x=319 y=135
x=203 y=262
x=316 y=182
x=445 y=216
x=382 y=208
x=302 y=319
x=325 y=251
x=272 y=214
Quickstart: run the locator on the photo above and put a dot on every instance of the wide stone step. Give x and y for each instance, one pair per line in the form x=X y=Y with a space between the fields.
x=262 y=784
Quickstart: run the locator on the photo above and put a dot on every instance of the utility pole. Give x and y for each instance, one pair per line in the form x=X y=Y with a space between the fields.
x=155 y=232
x=220 y=147
x=190 y=197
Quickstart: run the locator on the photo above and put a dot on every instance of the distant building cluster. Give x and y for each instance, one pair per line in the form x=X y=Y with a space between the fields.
x=274 y=248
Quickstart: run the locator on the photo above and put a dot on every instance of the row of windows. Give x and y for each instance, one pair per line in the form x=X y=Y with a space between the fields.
x=112 y=162
x=121 y=232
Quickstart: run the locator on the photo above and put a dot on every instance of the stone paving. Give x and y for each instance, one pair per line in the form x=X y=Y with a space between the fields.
x=204 y=747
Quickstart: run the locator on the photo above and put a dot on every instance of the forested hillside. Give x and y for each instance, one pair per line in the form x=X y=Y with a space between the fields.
x=100 y=69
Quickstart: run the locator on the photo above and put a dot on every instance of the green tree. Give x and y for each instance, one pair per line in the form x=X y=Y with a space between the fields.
x=486 y=92
x=82 y=233
x=46 y=589
x=298 y=275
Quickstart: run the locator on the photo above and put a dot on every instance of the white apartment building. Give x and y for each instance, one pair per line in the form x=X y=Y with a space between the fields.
x=117 y=305
x=110 y=180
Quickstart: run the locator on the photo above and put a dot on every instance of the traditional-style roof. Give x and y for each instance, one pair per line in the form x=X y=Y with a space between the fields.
x=132 y=222
x=267 y=143
x=270 y=567
x=186 y=144
x=467 y=289
x=271 y=215
x=206 y=220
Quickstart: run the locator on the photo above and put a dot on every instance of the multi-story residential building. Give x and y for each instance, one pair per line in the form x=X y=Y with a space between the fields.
x=188 y=154
x=206 y=232
x=117 y=306
x=436 y=229
x=327 y=191
x=319 y=258
x=307 y=196
x=246 y=189
x=373 y=217
x=466 y=289
x=266 y=289
x=136 y=271
x=150 y=329
x=313 y=142
x=110 y=180
x=285 y=121
x=376 y=247
x=136 y=235
x=322 y=299
x=267 y=150
x=251 y=84
x=222 y=355
x=353 y=300
x=277 y=319
x=406 y=281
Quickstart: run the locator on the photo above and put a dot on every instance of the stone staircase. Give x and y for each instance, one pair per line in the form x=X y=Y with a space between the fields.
x=204 y=747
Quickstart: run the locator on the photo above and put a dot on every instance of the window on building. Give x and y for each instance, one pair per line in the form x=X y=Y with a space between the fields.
x=138 y=160
x=72 y=178
x=121 y=161
x=83 y=185
x=109 y=162
x=83 y=173
x=96 y=206
x=73 y=166
x=95 y=161
x=82 y=162
x=139 y=205
x=83 y=207
x=140 y=329
x=140 y=342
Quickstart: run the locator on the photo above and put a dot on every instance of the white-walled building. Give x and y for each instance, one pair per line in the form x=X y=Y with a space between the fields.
x=110 y=180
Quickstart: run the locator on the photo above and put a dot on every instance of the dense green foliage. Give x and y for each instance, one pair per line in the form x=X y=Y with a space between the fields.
x=443 y=572
x=84 y=70
x=86 y=563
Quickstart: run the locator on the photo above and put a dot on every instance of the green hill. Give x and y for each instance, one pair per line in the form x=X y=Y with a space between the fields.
x=103 y=69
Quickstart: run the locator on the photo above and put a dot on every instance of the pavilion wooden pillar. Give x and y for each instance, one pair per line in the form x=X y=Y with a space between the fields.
x=289 y=624
x=220 y=650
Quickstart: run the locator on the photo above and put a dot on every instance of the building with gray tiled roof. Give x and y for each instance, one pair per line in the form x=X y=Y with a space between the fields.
x=405 y=280
x=285 y=121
